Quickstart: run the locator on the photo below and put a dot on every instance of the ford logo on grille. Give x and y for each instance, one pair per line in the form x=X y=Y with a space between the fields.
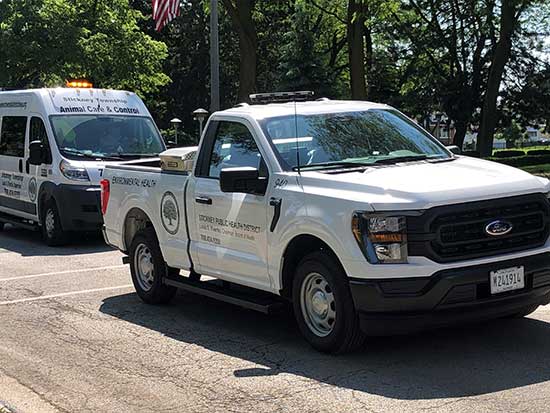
x=498 y=228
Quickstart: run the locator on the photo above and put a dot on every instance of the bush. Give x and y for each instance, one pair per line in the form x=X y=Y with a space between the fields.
x=474 y=154
x=527 y=160
x=539 y=152
x=508 y=154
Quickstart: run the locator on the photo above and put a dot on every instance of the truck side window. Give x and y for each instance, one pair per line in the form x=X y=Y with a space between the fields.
x=12 y=136
x=38 y=133
x=234 y=146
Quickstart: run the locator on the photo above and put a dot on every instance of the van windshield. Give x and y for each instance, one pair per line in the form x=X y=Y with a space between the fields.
x=106 y=137
x=376 y=136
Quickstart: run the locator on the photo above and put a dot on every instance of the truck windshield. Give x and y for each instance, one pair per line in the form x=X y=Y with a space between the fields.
x=106 y=137
x=376 y=136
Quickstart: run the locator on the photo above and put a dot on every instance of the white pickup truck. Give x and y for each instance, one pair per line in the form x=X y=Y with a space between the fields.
x=348 y=210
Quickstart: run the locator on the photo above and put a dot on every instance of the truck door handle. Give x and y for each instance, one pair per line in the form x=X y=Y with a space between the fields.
x=21 y=165
x=276 y=204
x=203 y=200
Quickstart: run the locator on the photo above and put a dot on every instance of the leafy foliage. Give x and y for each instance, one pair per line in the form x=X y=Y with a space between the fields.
x=45 y=42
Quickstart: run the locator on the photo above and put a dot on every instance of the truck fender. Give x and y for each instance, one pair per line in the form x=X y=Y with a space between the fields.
x=318 y=235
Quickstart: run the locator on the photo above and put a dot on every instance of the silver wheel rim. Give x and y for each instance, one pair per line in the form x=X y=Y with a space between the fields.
x=143 y=263
x=318 y=305
x=49 y=221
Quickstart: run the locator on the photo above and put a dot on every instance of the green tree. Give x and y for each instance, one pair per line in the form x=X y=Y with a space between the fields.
x=44 y=42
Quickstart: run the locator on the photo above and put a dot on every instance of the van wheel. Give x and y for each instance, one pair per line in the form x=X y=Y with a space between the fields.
x=52 y=232
x=148 y=268
x=323 y=305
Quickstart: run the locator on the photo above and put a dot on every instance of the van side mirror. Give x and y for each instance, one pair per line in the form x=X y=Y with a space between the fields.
x=37 y=153
x=454 y=149
x=244 y=179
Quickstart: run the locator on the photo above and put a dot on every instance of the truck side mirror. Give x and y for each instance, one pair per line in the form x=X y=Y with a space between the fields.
x=244 y=179
x=37 y=153
x=454 y=149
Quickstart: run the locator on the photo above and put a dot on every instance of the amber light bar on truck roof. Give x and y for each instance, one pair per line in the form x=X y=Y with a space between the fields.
x=82 y=84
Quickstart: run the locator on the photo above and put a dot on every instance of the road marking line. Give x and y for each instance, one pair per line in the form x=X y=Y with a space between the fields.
x=46 y=297
x=111 y=267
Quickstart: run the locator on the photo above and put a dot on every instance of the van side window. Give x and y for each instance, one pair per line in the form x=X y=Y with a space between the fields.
x=12 y=136
x=234 y=146
x=38 y=133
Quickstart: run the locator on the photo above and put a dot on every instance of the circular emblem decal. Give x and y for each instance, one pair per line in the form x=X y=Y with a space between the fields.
x=32 y=189
x=169 y=213
x=498 y=228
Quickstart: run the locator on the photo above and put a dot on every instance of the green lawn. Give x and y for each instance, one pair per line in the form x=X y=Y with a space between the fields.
x=542 y=169
x=525 y=149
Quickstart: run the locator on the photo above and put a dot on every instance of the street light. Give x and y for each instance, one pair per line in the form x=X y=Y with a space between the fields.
x=176 y=123
x=200 y=114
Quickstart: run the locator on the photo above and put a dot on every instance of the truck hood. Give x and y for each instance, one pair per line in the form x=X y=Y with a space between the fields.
x=422 y=185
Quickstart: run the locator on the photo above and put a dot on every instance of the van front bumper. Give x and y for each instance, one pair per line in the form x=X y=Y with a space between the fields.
x=458 y=295
x=79 y=207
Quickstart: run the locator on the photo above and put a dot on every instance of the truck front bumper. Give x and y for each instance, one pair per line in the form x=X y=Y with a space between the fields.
x=458 y=295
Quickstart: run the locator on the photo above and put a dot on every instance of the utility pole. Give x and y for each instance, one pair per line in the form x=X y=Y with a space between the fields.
x=214 y=58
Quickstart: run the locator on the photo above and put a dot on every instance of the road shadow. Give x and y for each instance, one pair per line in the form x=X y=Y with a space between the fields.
x=458 y=362
x=29 y=243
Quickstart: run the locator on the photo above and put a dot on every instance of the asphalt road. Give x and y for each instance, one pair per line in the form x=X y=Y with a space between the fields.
x=74 y=337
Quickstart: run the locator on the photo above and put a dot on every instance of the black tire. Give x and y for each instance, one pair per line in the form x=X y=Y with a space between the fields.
x=346 y=334
x=52 y=230
x=146 y=242
x=525 y=312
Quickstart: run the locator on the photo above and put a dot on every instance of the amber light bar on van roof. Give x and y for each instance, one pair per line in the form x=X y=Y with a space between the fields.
x=82 y=84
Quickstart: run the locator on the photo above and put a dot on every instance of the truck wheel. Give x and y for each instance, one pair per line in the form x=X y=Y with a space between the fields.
x=323 y=305
x=52 y=232
x=148 y=268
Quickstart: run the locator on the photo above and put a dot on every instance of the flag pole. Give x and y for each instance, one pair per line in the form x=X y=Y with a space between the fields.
x=214 y=58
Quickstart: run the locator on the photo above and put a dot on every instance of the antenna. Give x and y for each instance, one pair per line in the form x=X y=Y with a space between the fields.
x=297 y=139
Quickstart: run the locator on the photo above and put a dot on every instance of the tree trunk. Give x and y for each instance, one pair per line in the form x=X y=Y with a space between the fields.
x=356 y=49
x=489 y=114
x=460 y=133
x=243 y=24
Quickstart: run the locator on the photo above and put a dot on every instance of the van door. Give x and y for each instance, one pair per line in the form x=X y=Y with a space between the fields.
x=14 y=170
x=229 y=229
x=38 y=173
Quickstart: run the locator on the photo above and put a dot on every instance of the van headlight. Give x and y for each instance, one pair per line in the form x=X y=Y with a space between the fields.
x=72 y=172
x=382 y=238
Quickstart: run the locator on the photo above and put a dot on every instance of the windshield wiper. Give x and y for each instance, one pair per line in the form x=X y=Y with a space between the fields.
x=397 y=159
x=137 y=155
x=76 y=152
x=335 y=164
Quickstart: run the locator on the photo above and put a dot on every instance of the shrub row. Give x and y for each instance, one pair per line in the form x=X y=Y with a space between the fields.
x=526 y=160
x=508 y=154
x=539 y=152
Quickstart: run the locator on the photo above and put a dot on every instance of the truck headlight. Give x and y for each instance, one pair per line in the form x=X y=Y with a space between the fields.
x=382 y=238
x=72 y=172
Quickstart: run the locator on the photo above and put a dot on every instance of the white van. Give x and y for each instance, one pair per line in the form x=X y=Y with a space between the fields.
x=54 y=145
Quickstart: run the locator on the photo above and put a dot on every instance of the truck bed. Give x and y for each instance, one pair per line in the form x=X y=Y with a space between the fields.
x=141 y=192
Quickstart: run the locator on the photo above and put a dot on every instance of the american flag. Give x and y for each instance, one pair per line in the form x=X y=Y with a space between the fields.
x=164 y=11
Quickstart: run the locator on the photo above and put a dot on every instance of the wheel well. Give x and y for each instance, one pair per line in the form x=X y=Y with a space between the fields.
x=297 y=249
x=135 y=221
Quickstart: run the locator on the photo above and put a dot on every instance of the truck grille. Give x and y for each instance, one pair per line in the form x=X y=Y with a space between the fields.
x=457 y=232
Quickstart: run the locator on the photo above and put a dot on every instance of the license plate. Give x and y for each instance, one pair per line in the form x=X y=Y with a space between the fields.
x=507 y=279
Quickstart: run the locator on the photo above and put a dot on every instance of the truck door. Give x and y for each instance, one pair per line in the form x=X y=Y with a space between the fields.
x=15 y=179
x=229 y=229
